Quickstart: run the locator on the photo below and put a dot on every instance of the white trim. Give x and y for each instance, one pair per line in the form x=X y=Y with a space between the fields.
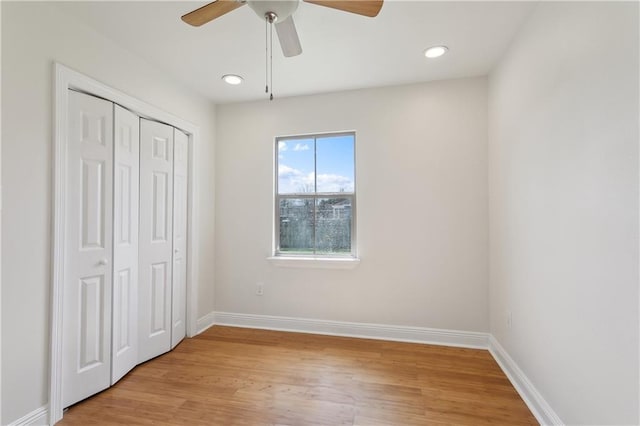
x=314 y=262
x=0 y=227
x=531 y=396
x=60 y=118
x=432 y=336
x=205 y=322
x=638 y=128
x=37 y=417
x=192 y=245
x=65 y=79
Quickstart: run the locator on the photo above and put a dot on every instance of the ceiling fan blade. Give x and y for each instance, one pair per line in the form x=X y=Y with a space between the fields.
x=369 y=8
x=211 y=11
x=288 y=37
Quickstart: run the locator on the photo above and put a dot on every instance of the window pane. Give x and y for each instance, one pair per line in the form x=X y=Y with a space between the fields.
x=296 y=225
x=335 y=163
x=295 y=166
x=333 y=225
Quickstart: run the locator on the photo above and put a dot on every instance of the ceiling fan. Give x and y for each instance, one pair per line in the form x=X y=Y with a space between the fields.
x=279 y=12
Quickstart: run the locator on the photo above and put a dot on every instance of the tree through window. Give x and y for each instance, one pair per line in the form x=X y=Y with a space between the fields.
x=315 y=195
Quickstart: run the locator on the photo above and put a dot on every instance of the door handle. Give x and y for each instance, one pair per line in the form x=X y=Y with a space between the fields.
x=103 y=262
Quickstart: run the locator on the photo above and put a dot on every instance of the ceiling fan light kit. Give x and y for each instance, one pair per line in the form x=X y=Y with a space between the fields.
x=280 y=14
x=281 y=9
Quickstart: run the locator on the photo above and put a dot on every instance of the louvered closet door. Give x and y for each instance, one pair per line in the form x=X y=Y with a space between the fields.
x=124 y=348
x=180 y=186
x=156 y=239
x=88 y=269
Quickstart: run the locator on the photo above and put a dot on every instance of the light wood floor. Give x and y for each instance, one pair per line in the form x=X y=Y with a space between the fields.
x=235 y=376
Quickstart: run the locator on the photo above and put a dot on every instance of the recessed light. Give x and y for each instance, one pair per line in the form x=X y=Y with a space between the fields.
x=435 y=51
x=232 y=79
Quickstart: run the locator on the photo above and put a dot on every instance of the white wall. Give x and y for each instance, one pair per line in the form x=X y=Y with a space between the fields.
x=563 y=166
x=33 y=36
x=422 y=207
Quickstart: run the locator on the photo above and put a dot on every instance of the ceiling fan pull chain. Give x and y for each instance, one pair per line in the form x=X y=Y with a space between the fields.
x=271 y=62
x=266 y=55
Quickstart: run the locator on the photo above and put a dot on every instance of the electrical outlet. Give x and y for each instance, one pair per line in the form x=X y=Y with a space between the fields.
x=509 y=319
x=259 y=289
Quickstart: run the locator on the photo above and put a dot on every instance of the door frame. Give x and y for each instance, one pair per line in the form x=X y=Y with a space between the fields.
x=64 y=79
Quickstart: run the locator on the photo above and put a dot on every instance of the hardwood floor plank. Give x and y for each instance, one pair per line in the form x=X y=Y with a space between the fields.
x=235 y=376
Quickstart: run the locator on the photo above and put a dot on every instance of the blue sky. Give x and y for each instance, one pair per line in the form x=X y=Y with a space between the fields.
x=335 y=163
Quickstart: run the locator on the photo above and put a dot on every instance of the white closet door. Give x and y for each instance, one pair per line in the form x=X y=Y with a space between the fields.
x=156 y=239
x=180 y=186
x=124 y=346
x=88 y=270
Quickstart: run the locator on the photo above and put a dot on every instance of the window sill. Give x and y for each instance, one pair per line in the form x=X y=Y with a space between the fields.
x=314 y=262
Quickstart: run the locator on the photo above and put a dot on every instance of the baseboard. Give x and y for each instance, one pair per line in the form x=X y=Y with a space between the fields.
x=38 y=417
x=205 y=322
x=432 y=336
x=531 y=396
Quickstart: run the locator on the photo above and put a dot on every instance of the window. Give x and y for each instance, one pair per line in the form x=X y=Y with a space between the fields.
x=315 y=195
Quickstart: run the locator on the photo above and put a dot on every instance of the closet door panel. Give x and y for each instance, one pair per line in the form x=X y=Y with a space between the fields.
x=88 y=271
x=124 y=346
x=180 y=185
x=156 y=239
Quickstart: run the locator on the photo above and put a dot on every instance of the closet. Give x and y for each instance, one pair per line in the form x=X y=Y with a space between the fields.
x=126 y=248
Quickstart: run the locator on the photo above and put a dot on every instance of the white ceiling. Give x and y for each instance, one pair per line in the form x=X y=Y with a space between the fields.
x=341 y=50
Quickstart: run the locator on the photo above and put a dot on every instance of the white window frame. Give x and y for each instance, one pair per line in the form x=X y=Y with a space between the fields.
x=326 y=257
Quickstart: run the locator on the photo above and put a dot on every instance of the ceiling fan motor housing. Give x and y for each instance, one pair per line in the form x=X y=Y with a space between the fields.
x=281 y=8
